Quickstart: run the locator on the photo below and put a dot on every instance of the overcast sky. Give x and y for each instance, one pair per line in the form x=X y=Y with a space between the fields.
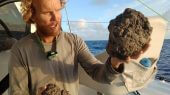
x=103 y=11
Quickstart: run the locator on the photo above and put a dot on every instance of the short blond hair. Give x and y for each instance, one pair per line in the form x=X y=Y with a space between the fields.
x=27 y=10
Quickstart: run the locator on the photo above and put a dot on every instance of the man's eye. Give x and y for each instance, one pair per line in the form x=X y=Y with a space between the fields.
x=58 y=10
x=45 y=13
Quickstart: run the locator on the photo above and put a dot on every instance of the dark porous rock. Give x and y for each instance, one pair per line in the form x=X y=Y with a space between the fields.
x=129 y=33
x=52 y=89
x=64 y=92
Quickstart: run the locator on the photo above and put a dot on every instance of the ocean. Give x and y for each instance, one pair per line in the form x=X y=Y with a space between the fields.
x=97 y=47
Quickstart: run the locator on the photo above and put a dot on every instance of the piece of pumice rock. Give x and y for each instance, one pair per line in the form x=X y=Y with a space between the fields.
x=129 y=33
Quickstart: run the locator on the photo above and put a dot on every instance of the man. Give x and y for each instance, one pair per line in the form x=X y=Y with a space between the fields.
x=32 y=67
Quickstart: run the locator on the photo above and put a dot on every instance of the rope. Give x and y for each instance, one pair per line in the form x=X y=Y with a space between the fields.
x=152 y=10
x=86 y=21
x=67 y=19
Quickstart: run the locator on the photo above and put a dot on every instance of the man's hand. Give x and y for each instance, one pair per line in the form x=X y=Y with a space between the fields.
x=116 y=62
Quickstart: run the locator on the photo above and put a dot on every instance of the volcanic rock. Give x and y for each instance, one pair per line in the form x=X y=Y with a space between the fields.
x=129 y=32
x=52 y=89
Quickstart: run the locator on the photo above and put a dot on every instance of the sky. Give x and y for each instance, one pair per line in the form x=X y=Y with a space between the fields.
x=103 y=11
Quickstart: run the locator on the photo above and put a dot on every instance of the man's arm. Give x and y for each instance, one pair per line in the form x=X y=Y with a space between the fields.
x=18 y=76
x=104 y=73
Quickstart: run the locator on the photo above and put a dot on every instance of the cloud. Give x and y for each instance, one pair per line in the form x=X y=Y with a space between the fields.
x=78 y=25
x=82 y=23
x=89 y=31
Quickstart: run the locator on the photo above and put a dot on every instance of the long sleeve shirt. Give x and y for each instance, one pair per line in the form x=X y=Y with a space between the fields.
x=29 y=68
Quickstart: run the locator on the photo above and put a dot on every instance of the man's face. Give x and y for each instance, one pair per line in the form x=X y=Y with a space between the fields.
x=47 y=16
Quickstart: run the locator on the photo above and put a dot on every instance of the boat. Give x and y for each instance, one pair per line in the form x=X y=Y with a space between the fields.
x=13 y=32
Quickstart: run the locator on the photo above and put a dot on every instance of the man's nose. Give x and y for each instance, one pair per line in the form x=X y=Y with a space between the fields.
x=54 y=16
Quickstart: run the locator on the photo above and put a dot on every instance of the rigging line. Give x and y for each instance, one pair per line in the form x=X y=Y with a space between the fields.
x=152 y=10
x=67 y=19
x=86 y=21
